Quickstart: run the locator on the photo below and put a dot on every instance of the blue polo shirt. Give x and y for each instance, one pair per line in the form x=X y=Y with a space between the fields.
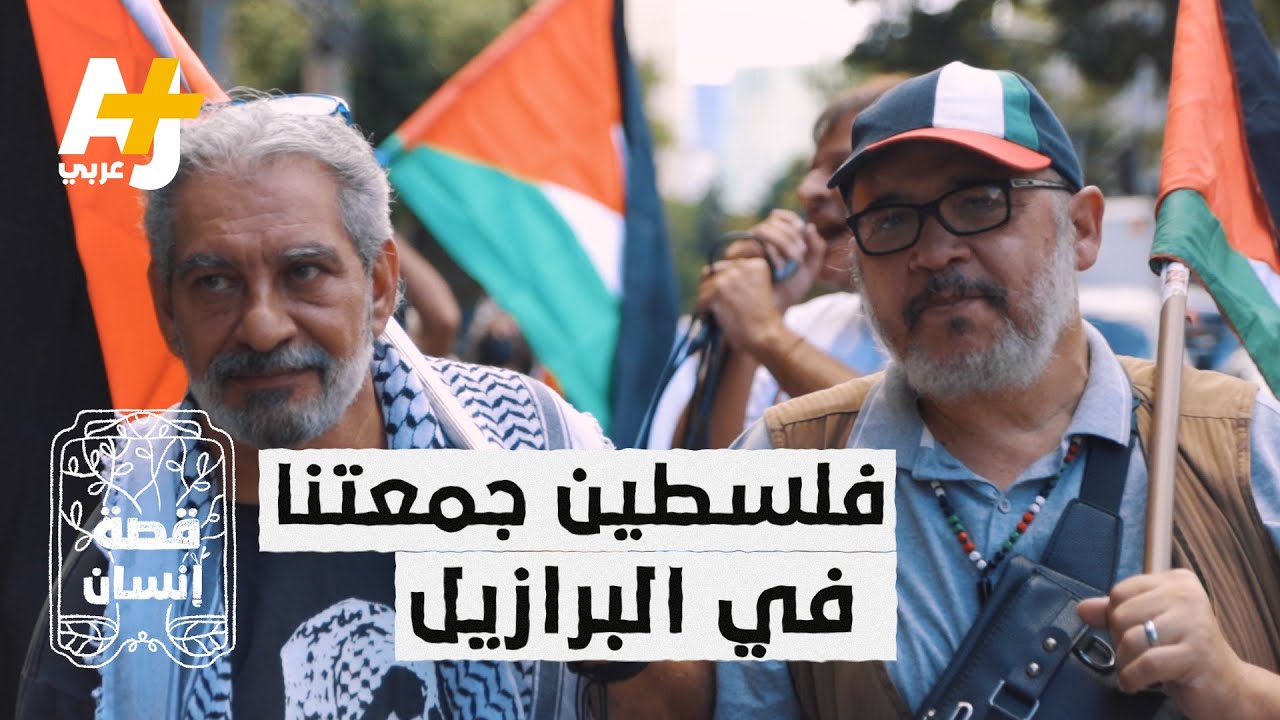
x=937 y=583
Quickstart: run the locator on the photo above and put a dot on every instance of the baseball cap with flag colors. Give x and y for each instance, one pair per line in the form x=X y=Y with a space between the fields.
x=993 y=112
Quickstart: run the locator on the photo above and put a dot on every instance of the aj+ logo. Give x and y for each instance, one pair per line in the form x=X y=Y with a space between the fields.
x=104 y=108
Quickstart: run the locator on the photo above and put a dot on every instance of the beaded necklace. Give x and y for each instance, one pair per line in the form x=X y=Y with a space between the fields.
x=986 y=568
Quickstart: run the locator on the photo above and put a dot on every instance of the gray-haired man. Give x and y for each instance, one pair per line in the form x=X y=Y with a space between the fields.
x=274 y=273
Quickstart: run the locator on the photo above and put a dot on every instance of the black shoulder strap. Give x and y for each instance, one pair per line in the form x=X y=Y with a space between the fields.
x=1091 y=521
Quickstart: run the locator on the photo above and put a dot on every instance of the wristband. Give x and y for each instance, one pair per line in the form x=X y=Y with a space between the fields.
x=786 y=356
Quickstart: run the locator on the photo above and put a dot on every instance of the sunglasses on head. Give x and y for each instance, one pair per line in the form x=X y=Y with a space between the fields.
x=300 y=104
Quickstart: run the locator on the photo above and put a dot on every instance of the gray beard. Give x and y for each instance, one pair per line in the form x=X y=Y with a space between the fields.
x=1019 y=355
x=271 y=418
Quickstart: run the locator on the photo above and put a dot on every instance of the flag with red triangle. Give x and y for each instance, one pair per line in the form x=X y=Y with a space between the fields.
x=83 y=334
x=533 y=168
x=1220 y=171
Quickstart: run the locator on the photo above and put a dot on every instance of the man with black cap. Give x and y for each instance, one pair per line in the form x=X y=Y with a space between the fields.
x=971 y=218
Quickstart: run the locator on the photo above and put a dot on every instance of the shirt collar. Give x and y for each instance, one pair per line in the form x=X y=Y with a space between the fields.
x=889 y=418
x=1106 y=407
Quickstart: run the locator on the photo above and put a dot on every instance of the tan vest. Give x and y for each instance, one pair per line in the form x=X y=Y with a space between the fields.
x=1217 y=531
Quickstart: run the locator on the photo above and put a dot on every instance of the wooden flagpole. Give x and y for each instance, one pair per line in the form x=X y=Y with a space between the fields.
x=1158 y=556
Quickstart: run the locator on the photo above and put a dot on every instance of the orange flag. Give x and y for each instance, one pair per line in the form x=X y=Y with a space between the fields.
x=107 y=218
x=1220 y=173
x=533 y=168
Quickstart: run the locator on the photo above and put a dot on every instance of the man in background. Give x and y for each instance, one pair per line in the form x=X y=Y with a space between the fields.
x=779 y=346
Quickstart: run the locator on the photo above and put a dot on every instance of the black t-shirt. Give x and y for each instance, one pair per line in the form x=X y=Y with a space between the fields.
x=314 y=632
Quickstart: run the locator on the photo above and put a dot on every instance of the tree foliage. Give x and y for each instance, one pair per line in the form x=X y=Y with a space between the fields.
x=917 y=40
x=269 y=43
x=411 y=47
x=693 y=229
x=1107 y=40
x=399 y=51
x=1106 y=44
x=1104 y=39
x=782 y=192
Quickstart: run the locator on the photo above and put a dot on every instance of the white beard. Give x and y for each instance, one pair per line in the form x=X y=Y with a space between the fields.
x=272 y=418
x=1019 y=355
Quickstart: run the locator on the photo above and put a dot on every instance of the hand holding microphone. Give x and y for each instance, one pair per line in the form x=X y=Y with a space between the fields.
x=764 y=271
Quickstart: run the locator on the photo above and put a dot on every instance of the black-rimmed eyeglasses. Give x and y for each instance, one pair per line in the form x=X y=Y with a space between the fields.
x=966 y=210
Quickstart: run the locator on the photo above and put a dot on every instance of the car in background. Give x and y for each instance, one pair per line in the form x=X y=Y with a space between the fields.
x=1120 y=295
x=1128 y=317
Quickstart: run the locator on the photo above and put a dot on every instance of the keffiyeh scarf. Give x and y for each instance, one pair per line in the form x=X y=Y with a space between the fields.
x=513 y=412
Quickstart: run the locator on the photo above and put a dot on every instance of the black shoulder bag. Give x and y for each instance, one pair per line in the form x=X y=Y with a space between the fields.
x=1029 y=655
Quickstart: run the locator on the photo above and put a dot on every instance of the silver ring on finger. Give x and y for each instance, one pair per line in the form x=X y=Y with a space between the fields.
x=1153 y=636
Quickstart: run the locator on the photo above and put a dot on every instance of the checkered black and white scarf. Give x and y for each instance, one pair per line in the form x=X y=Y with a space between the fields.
x=513 y=412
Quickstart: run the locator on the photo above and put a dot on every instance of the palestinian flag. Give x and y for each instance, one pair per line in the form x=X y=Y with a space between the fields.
x=83 y=333
x=532 y=166
x=106 y=219
x=1220 y=174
